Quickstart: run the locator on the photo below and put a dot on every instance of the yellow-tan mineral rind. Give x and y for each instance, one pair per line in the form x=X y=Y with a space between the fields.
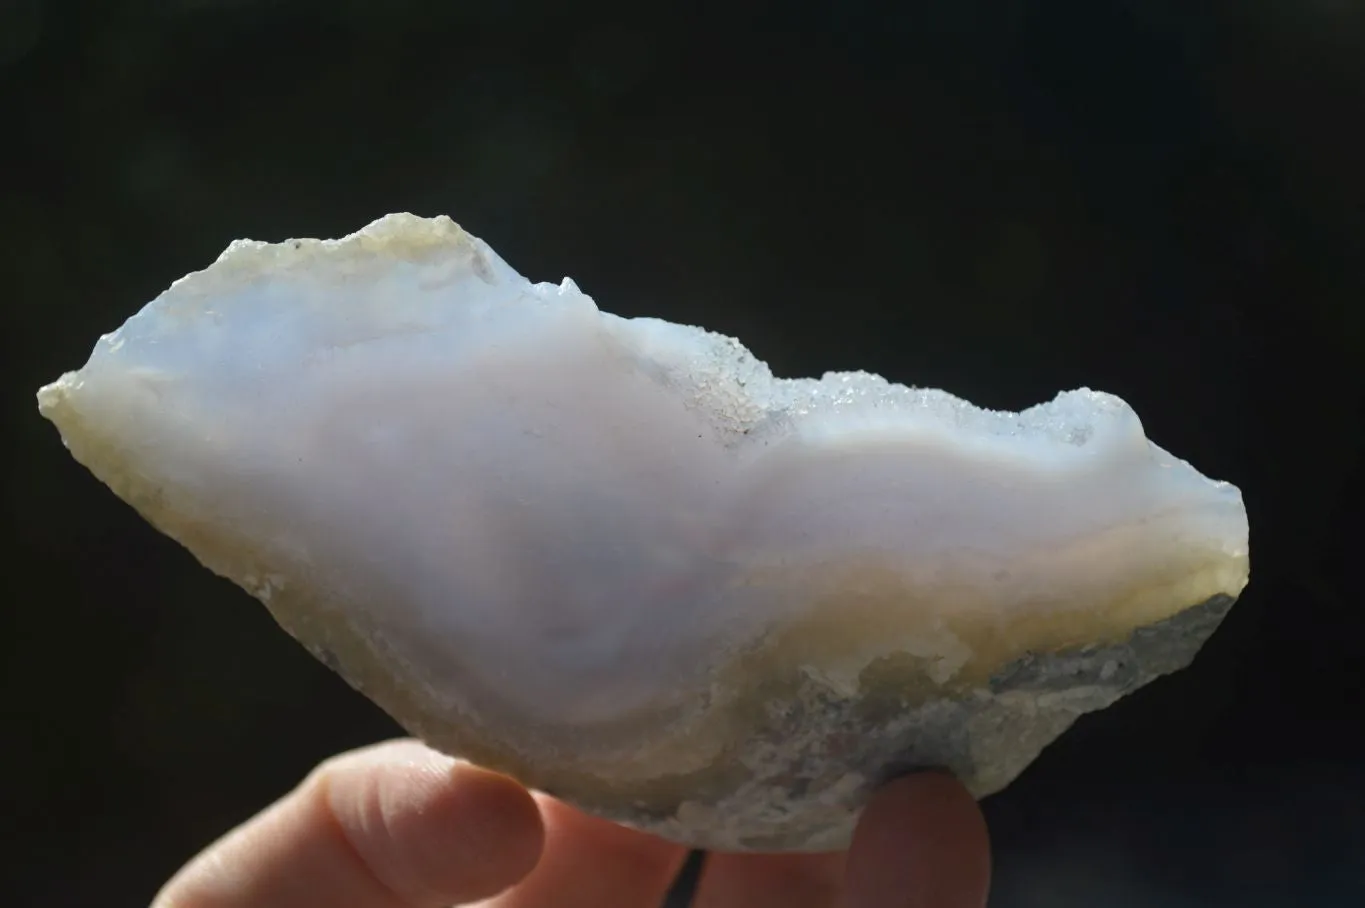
x=621 y=561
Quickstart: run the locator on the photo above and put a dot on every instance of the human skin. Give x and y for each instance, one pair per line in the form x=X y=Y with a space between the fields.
x=397 y=825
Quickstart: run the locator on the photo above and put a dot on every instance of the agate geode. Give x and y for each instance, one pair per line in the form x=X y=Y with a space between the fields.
x=619 y=560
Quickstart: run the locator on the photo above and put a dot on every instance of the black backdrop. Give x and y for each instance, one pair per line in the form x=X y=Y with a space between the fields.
x=1005 y=199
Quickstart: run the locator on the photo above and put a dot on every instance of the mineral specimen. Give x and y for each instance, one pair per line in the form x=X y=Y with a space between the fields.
x=619 y=560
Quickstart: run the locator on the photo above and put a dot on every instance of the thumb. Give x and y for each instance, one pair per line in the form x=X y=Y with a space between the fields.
x=392 y=826
x=921 y=842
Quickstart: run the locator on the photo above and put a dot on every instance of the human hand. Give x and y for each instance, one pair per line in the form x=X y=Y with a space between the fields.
x=398 y=825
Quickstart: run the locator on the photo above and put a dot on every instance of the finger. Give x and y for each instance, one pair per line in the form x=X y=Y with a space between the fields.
x=392 y=826
x=771 y=881
x=593 y=863
x=920 y=843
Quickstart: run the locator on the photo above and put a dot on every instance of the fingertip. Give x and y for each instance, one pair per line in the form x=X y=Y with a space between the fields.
x=590 y=862
x=483 y=831
x=921 y=841
x=396 y=825
x=431 y=828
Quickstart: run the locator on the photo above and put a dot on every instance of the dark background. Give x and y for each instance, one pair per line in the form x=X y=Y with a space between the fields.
x=1005 y=199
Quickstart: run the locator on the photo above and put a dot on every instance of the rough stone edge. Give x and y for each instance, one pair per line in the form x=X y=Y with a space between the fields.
x=819 y=758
